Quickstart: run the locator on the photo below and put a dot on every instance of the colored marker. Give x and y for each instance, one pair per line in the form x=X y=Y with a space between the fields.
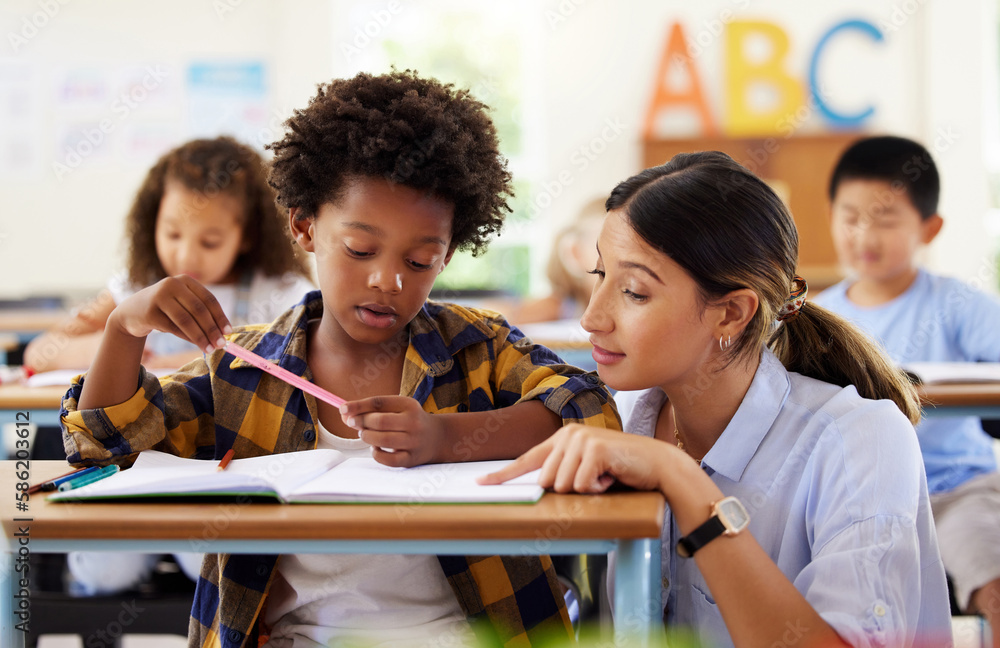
x=284 y=374
x=80 y=482
x=53 y=483
x=226 y=459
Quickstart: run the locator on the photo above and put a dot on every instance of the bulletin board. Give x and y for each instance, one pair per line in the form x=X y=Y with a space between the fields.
x=798 y=168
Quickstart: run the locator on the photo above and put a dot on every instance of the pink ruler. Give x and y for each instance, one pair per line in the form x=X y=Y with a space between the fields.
x=284 y=374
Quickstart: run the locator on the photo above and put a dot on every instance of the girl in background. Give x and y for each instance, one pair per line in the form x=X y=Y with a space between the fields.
x=204 y=210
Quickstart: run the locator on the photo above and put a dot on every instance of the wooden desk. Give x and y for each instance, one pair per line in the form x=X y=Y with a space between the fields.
x=8 y=342
x=41 y=403
x=972 y=399
x=27 y=323
x=628 y=523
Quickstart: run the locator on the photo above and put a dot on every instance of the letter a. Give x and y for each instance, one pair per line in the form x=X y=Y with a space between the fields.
x=665 y=98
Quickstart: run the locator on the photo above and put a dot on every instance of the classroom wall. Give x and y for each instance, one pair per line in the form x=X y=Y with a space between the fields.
x=933 y=80
x=62 y=235
x=591 y=67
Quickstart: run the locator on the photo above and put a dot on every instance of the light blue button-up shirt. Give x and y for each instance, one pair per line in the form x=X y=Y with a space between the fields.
x=937 y=319
x=837 y=496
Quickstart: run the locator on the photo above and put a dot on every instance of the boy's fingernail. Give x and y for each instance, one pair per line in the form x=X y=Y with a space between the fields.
x=227 y=329
x=208 y=348
x=343 y=408
x=221 y=342
x=350 y=422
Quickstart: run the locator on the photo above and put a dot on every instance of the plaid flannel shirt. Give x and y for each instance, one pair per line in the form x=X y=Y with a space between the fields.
x=459 y=359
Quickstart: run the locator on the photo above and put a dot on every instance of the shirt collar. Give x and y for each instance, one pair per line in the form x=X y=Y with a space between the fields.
x=760 y=407
x=440 y=331
x=283 y=341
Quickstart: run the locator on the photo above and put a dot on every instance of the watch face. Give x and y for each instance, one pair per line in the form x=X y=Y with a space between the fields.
x=733 y=515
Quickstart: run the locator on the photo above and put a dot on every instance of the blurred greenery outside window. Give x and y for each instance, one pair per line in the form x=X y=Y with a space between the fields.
x=477 y=48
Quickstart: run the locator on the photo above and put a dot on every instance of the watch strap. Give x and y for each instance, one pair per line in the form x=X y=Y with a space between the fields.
x=701 y=536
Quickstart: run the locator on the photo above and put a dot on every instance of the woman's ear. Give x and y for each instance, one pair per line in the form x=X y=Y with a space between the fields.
x=302 y=229
x=737 y=309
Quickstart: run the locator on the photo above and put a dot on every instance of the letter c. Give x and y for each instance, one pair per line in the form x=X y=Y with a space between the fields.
x=840 y=120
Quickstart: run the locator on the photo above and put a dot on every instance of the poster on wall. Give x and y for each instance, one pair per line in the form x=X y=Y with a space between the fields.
x=97 y=110
x=228 y=98
x=20 y=122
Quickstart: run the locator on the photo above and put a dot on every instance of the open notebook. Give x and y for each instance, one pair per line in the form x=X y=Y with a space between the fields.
x=321 y=475
x=936 y=373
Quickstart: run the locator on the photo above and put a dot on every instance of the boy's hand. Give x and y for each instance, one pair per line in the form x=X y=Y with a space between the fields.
x=400 y=432
x=178 y=305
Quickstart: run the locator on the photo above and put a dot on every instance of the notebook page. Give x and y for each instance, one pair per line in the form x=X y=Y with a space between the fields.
x=160 y=473
x=362 y=479
x=955 y=372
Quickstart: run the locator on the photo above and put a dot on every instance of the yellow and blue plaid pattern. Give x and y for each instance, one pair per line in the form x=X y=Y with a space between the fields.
x=459 y=359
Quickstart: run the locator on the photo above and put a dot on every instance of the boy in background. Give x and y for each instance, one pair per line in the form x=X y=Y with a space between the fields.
x=884 y=199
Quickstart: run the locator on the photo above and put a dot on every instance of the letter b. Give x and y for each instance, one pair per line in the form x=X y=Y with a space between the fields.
x=744 y=118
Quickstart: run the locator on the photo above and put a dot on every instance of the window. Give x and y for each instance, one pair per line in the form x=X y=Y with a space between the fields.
x=487 y=49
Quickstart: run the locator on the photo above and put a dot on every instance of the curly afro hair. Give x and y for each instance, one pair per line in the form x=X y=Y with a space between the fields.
x=410 y=130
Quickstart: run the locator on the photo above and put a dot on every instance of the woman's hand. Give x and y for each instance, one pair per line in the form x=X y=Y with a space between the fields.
x=399 y=430
x=589 y=459
x=178 y=305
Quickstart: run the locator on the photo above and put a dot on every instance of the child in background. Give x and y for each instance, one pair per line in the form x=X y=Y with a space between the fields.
x=884 y=201
x=571 y=261
x=384 y=178
x=795 y=500
x=204 y=210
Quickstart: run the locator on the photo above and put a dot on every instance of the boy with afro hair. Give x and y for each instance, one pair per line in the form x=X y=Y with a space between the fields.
x=384 y=177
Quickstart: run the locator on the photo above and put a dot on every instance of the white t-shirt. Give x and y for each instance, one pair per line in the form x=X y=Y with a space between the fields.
x=259 y=302
x=368 y=600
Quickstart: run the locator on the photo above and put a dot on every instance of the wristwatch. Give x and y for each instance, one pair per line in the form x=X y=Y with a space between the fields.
x=729 y=517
